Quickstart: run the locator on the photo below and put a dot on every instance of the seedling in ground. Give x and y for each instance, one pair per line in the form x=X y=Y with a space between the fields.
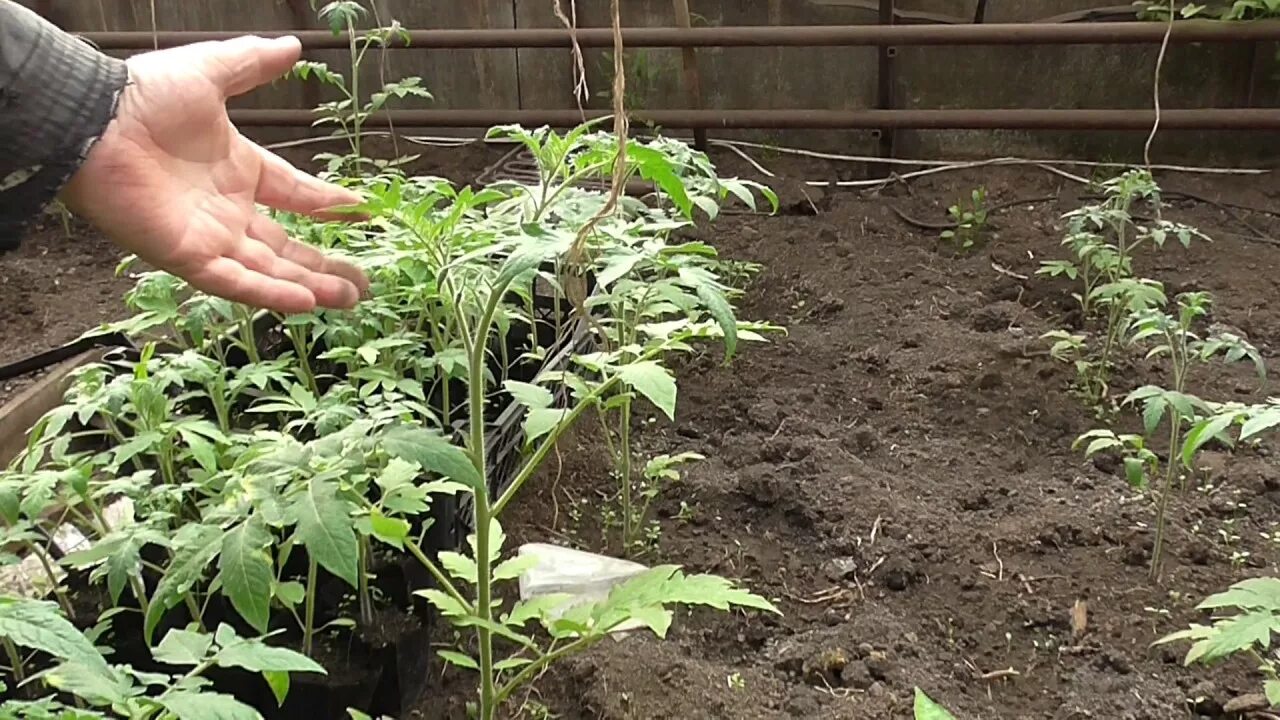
x=1104 y=238
x=970 y=219
x=1172 y=337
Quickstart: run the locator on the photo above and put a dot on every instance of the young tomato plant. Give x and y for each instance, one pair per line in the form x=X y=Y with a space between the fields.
x=1104 y=238
x=970 y=221
x=1172 y=337
x=654 y=298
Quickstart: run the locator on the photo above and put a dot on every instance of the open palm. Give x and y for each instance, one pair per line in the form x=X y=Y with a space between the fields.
x=174 y=182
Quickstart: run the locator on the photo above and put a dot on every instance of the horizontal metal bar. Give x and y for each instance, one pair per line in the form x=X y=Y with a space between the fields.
x=994 y=119
x=755 y=36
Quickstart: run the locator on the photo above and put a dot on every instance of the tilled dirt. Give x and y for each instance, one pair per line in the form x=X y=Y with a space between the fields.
x=897 y=473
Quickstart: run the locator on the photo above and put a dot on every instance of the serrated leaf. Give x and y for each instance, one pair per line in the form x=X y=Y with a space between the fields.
x=183 y=647
x=195 y=547
x=1255 y=593
x=536 y=608
x=38 y=625
x=392 y=531
x=534 y=397
x=540 y=421
x=432 y=452
x=514 y=567
x=257 y=656
x=246 y=572
x=1230 y=636
x=656 y=618
x=325 y=528
x=1152 y=414
x=98 y=685
x=926 y=709
x=189 y=705
x=654 y=382
x=460 y=566
x=443 y=602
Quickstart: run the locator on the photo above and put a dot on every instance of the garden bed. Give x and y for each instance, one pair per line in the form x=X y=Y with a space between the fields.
x=897 y=474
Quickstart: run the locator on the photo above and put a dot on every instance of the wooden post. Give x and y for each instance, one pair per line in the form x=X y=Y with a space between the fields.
x=692 y=82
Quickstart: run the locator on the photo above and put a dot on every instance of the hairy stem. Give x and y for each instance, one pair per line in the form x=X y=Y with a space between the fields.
x=309 y=623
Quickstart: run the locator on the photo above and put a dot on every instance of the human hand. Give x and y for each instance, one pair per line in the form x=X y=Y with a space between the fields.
x=174 y=182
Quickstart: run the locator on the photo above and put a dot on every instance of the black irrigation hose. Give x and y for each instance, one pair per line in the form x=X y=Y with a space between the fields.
x=49 y=358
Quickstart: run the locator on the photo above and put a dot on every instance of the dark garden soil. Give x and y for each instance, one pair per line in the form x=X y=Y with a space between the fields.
x=896 y=472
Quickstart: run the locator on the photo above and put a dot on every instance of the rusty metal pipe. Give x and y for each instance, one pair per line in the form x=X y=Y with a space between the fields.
x=994 y=119
x=757 y=36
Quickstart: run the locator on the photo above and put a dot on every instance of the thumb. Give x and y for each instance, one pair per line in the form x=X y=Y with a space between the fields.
x=240 y=65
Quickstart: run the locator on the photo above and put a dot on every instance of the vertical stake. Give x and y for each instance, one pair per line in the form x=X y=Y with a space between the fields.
x=885 y=80
x=692 y=81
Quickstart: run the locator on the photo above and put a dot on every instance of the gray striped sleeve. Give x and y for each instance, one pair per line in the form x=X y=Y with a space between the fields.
x=57 y=95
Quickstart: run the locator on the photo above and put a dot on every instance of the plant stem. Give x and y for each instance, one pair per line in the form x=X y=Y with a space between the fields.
x=416 y=551
x=247 y=335
x=15 y=662
x=482 y=510
x=1157 y=552
x=304 y=360
x=529 y=671
x=366 y=602
x=308 y=628
x=58 y=591
x=624 y=473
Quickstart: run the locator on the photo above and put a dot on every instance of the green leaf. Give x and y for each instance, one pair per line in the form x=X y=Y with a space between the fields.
x=279 y=683
x=654 y=382
x=246 y=572
x=392 y=531
x=1152 y=414
x=290 y=593
x=1202 y=434
x=432 y=452
x=191 y=705
x=1135 y=472
x=325 y=527
x=656 y=168
x=536 y=608
x=540 y=421
x=183 y=647
x=1260 y=423
x=722 y=311
x=514 y=567
x=534 y=397
x=195 y=546
x=98 y=685
x=656 y=618
x=444 y=602
x=460 y=566
x=38 y=625
x=1272 y=689
x=1262 y=593
x=457 y=658
x=257 y=656
x=1233 y=635
x=927 y=709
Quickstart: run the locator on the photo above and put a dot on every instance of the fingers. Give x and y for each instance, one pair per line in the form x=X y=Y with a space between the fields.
x=284 y=187
x=267 y=249
x=229 y=279
x=240 y=65
x=274 y=236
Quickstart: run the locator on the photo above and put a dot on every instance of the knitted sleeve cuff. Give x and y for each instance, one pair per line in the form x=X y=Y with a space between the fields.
x=57 y=96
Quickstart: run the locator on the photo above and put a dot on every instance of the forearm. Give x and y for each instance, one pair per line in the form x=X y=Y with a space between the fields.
x=57 y=95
